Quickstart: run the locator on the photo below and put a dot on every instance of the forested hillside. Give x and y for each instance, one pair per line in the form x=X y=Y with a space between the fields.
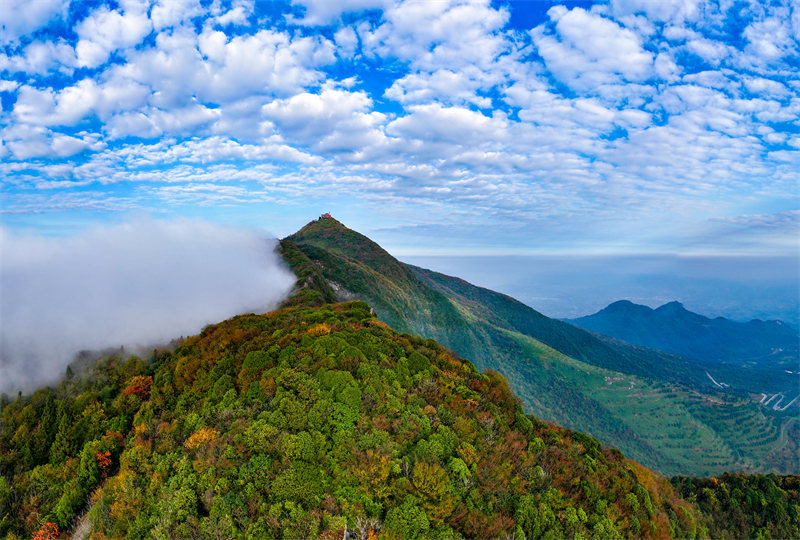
x=306 y=423
x=760 y=357
x=738 y=506
x=673 y=328
x=660 y=409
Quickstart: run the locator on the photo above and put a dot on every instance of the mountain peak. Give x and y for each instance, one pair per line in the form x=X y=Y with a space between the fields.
x=625 y=306
x=672 y=306
x=323 y=222
x=329 y=234
x=673 y=328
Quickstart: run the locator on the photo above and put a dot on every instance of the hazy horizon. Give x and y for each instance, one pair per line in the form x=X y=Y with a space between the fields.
x=445 y=127
x=569 y=286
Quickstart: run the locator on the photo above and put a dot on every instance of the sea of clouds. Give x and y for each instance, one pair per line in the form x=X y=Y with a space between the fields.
x=135 y=284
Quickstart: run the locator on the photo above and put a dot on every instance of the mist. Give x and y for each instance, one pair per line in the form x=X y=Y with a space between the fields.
x=135 y=284
x=568 y=286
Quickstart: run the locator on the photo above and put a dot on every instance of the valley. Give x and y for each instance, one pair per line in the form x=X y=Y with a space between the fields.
x=661 y=409
x=319 y=420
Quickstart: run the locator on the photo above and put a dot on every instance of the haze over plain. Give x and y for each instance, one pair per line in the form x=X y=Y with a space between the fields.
x=626 y=128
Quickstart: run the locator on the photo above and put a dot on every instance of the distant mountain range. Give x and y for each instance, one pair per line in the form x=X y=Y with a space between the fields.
x=676 y=414
x=672 y=328
x=319 y=420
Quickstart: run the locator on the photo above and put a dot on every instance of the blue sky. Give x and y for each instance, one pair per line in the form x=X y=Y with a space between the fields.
x=629 y=126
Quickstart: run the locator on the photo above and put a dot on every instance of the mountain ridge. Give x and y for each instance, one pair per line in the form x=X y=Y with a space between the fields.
x=496 y=331
x=314 y=422
x=318 y=420
x=673 y=328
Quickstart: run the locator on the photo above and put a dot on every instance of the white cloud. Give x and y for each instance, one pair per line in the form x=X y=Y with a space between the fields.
x=104 y=31
x=434 y=123
x=766 y=87
x=442 y=85
x=240 y=11
x=66 y=107
x=208 y=151
x=769 y=40
x=666 y=68
x=323 y=12
x=624 y=108
x=26 y=142
x=168 y=13
x=21 y=17
x=333 y=120
x=433 y=35
x=711 y=51
x=588 y=50
x=658 y=10
x=41 y=58
x=134 y=124
x=346 y=41
x=140 y=283
x=64 y=145
x=33 y=105
x=217 y=69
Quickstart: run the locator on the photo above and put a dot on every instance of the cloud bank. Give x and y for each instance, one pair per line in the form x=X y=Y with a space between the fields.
x=623 y=119
x=140 y=283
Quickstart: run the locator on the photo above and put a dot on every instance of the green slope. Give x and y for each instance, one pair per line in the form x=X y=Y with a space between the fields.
x=678 y=423
x=313 y=423
x=672 y=327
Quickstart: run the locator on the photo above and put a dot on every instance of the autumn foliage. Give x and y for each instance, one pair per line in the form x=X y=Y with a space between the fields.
x=48 y=531
x=303 y=424
x=139 y=386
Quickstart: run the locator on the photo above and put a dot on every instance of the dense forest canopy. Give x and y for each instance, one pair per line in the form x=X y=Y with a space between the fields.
x=320 y=421
x=307 y=422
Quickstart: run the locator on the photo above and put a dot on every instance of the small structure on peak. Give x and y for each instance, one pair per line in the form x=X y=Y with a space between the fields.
x=326 y=215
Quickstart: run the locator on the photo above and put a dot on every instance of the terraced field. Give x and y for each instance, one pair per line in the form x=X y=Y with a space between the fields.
x=676 y=430
x=662 y=410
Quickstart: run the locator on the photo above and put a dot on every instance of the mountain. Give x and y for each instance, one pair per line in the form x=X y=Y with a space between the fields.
x=661 y=409
x=672 y=328
x=313 y=423
x=318 y=420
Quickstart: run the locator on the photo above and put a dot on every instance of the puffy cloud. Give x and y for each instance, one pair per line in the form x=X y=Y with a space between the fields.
x=168 y=13
x=346 y=41
x=442 y=85
x=432 y=35
x=333 y=120
x=626 y=108
x=587 y=50
x=322 y=12
x=41 y=58
x=662 y=10
x=208 y=150
x=239 y=12
x=104 y=31
x=67 y=107
x=21 y=17
x=767 y=87
x=26 y=142
x=217 y=69
x=434 y=123
x=769 y=40
x=709 y=50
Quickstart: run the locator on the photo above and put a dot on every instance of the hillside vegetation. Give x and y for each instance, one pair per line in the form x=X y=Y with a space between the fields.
x=738 y=506
x=767 y=350
x=306 y=423
x=673 y=328
x=659 y=408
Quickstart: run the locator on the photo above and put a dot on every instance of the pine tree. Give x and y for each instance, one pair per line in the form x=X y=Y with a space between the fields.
x=62 y=448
